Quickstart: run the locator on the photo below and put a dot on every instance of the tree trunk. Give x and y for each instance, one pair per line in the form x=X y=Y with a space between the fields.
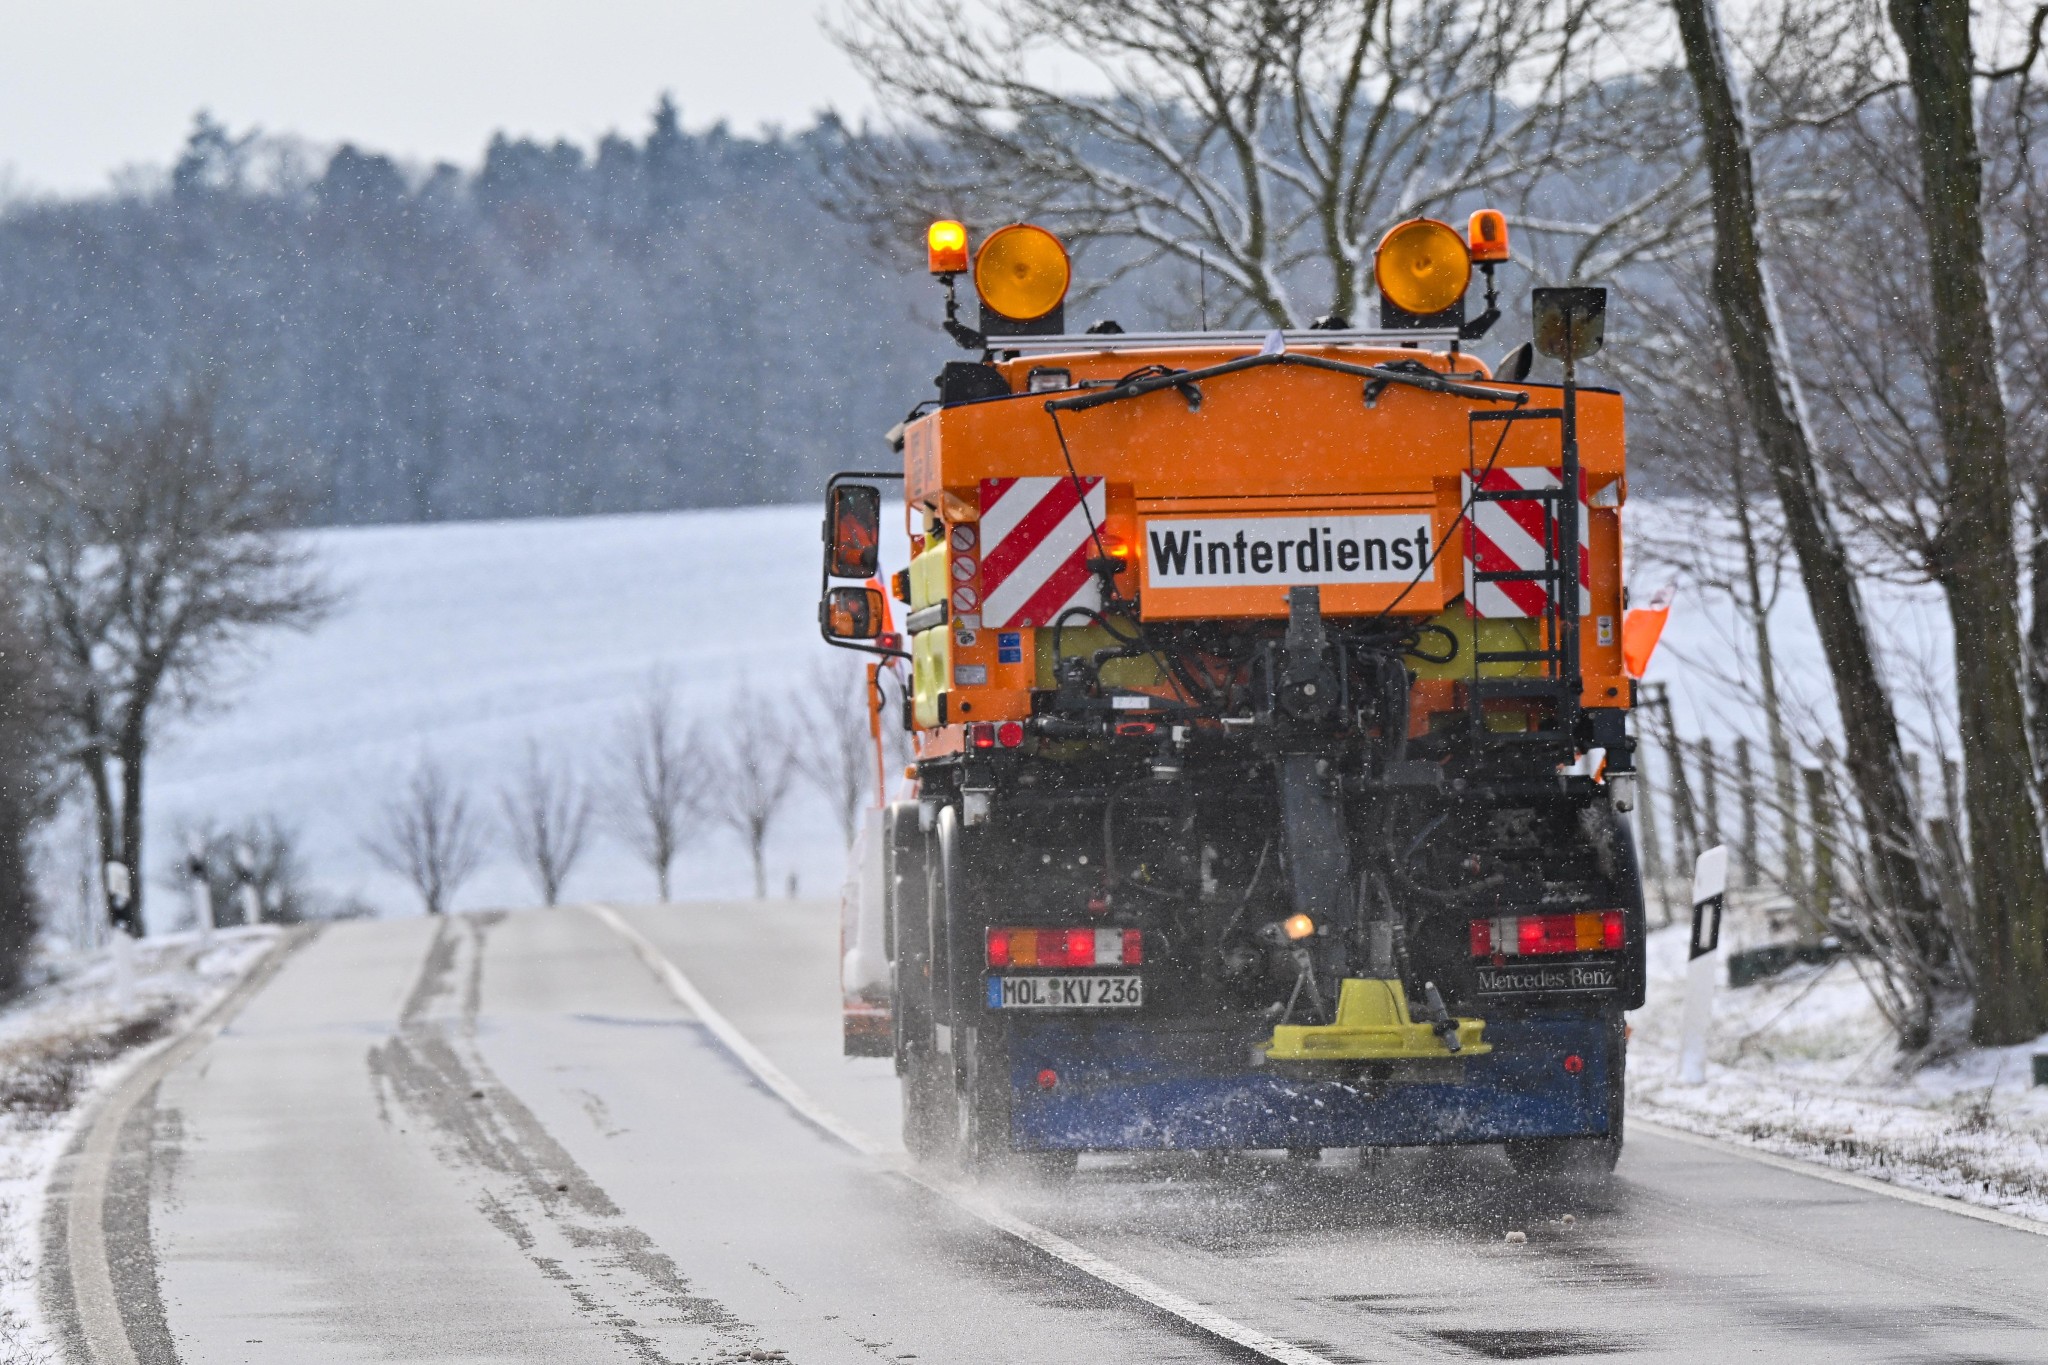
x=1978 y=567
x=1748 y=315
x=2037 y=641
x=131 y=749
x=106 y=824
x=1793 y=863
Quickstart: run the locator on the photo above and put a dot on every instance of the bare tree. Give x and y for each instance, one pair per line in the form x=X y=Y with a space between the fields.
x=756 y=769
x=832 y=713
x=32 y=779
x=664 y=792
x=152 y=549
x=1256 y=141
x=1701 y=444
x=547 y=816
x=1744 y=296
x=430 y=836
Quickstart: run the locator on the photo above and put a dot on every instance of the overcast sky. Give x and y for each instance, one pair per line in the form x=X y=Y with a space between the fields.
x=88 y=87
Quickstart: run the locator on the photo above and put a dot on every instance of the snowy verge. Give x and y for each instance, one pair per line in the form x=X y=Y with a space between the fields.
x=62 y=1045
x=1803 y=1065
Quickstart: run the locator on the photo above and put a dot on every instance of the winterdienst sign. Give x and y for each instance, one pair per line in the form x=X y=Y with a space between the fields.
x=1215 y=552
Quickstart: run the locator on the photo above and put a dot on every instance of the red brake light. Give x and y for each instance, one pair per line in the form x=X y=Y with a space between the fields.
x=1010 y=734
x=1588 y=931
x=1014 y=947
x=983 y=735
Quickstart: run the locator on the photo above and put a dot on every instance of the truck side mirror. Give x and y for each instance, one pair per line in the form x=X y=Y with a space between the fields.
x=853 y=527
x=854 y=613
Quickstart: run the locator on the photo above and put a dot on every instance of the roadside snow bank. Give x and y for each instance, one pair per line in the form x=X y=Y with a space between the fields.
x=60 y=1045
x=1803 y=1065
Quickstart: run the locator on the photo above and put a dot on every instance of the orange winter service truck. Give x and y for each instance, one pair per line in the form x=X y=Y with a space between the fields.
x=1268 y=708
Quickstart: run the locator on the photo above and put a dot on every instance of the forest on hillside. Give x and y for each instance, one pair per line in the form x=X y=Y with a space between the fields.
x=667 y=322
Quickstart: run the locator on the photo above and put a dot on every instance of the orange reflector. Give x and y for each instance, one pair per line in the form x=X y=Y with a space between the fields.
x=1422 y=266
x=1022 y=272
x=1643 y=627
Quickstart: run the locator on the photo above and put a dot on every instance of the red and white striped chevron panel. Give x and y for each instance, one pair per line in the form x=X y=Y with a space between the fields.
x=1502 y=536
x=1035 y=549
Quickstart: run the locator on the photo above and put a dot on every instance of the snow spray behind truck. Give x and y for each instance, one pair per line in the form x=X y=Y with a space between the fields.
x=1268 y=707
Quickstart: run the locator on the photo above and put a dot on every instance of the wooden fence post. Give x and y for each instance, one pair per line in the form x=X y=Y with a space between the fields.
x=1745 y=797
x=1821 y=818
x=1710 y=793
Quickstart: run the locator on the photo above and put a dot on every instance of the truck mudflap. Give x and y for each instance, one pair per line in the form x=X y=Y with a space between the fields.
x=1113 y=1086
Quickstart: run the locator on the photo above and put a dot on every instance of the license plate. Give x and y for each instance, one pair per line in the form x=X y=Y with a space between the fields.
x=1066 y=992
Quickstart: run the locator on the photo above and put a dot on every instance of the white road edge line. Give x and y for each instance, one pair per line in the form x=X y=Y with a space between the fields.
x=962 y=1195
x=1849 y=1178
x=102 y=1328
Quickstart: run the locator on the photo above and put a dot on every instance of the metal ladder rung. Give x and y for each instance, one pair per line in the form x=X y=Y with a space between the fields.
x=1519 y=656
x=1518 y=687
x=1518 y=575
x=1518 y=495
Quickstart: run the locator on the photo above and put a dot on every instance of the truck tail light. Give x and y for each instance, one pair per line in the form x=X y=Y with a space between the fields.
x=1010 y=734
x=1066 y=947
x=1589 y=931
x=983 y=734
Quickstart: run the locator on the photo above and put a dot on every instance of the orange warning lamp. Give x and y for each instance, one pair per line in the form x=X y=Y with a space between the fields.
x=1486 y=236
x=1298 y=926
x=1022 y=272
x=945 y=247
x=1422 y=266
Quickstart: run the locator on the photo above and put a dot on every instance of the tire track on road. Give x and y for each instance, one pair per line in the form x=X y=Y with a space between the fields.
x=1258 y=1344
x=533 y=1190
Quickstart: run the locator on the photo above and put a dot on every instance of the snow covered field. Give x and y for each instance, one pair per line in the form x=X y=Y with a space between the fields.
x=466 y=640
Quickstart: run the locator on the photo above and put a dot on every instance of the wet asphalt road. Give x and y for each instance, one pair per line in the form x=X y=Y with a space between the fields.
x=499 y=1138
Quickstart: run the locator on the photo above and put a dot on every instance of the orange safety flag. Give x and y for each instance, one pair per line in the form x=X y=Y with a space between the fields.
x=1643 y=627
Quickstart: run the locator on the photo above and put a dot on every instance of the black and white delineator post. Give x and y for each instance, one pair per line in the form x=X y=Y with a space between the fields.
x=1703 y=971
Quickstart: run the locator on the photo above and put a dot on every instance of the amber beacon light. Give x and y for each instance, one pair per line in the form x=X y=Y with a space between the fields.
x=945 y=247
x=1487 y=236
x=1022 y=272
x=1422 y=266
